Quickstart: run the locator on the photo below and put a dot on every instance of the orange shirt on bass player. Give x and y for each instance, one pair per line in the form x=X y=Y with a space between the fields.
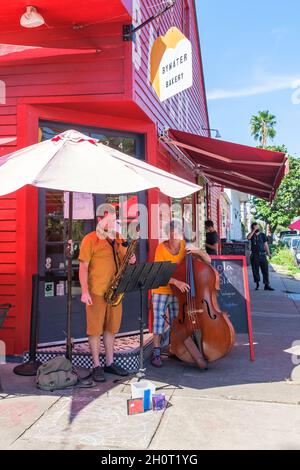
x=163 y=254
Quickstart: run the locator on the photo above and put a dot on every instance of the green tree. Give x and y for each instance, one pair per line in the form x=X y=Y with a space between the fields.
x=286 y=204
x=263 y=127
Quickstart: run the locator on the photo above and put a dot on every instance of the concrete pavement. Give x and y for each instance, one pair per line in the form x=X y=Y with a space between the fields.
x=236 y=404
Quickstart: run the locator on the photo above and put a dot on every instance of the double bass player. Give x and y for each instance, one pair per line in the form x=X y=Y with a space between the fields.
x=163 y=299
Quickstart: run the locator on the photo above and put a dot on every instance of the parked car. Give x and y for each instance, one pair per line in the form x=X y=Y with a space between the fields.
x=286 y=241
x=287 y=233
x=294 y=241
x=297 y=252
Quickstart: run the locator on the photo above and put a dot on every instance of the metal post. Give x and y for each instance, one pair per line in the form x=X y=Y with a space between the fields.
x=31 y=366
x=70 y=276
x=141 y=373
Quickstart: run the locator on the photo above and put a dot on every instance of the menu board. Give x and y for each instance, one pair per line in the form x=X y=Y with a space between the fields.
x=233 y=297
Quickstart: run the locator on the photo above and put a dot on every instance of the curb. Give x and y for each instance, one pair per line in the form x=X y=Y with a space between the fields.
x=282 y=270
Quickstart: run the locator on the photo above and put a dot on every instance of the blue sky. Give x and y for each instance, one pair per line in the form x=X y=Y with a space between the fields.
x=251 y=58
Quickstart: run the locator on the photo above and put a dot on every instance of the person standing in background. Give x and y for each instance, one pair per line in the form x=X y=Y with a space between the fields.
x=259 y=251
x=212 y=238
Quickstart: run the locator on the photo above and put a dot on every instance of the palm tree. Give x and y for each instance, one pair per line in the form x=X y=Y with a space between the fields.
x=262 y=127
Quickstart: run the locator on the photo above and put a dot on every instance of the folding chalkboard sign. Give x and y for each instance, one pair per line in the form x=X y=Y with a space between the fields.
x=233 y=297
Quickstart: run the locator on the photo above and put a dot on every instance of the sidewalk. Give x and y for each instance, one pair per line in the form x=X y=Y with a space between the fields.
x=236 y=404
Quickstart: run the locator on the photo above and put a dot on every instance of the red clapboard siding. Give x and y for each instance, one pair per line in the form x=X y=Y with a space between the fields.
x=101 y=73
x=66 y=73
x=7 y=214
x=12 y=311
x=10 y=322
x=8 y=236
x=7 y=203
x=8 y=257
x=7 y=110
x=7 y=225
x=10 y=101
x=163 y=161
x=8 y=119
x=57 y=89
x=187 y=110
x=98 y=35
x=7 y=299
x=170 y=164
x=6 y=268
x=65 y=62
x=182 y=171
x=7 y=130
x=7 y=290
x=7 y=279
x=7 y=247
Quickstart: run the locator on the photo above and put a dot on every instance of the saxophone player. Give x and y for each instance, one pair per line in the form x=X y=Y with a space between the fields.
x=100 y=253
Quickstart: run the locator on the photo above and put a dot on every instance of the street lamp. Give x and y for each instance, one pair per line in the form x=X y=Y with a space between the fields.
x=217 y=136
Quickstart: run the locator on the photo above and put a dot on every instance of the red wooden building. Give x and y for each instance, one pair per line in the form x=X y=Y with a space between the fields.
x=77 y=71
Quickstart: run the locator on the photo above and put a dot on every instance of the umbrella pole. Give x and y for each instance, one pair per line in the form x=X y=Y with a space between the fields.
x=70 y=276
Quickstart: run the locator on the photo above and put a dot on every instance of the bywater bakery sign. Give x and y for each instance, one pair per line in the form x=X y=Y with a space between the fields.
x=171 y=64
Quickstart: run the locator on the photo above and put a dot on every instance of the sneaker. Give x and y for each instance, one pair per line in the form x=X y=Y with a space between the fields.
x=98 y=374
x=116 y=370
x=257 y=286
x=268 y=287
x=156 y=360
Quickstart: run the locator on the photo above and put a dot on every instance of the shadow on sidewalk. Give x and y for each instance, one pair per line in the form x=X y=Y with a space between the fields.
x=14 y=386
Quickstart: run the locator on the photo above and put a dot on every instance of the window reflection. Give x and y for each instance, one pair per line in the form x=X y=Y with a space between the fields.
x=54 y=225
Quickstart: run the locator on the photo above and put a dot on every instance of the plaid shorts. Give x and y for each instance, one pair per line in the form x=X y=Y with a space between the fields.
x=162 y=302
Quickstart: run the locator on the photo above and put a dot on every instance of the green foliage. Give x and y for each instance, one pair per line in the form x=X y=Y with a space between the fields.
x=284 y=257
x=286 y=205
x=263 y=127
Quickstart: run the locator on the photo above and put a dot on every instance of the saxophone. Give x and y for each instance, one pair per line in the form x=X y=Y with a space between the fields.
x=110 y=296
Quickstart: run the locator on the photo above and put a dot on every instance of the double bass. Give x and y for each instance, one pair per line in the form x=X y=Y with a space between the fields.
x=201 y=332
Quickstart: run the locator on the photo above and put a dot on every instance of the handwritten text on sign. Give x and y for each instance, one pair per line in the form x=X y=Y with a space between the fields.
x=232 y=294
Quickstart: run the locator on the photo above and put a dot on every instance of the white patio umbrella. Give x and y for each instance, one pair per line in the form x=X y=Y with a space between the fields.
x=72 y=161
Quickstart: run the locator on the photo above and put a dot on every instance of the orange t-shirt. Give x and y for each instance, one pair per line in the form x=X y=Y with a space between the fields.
x=163 y=254
x=100 y=256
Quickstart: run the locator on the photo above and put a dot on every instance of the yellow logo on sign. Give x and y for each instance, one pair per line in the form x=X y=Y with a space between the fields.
x=171 y=69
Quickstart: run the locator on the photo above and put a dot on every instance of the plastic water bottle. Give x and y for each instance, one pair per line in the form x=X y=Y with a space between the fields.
x=147 y=403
